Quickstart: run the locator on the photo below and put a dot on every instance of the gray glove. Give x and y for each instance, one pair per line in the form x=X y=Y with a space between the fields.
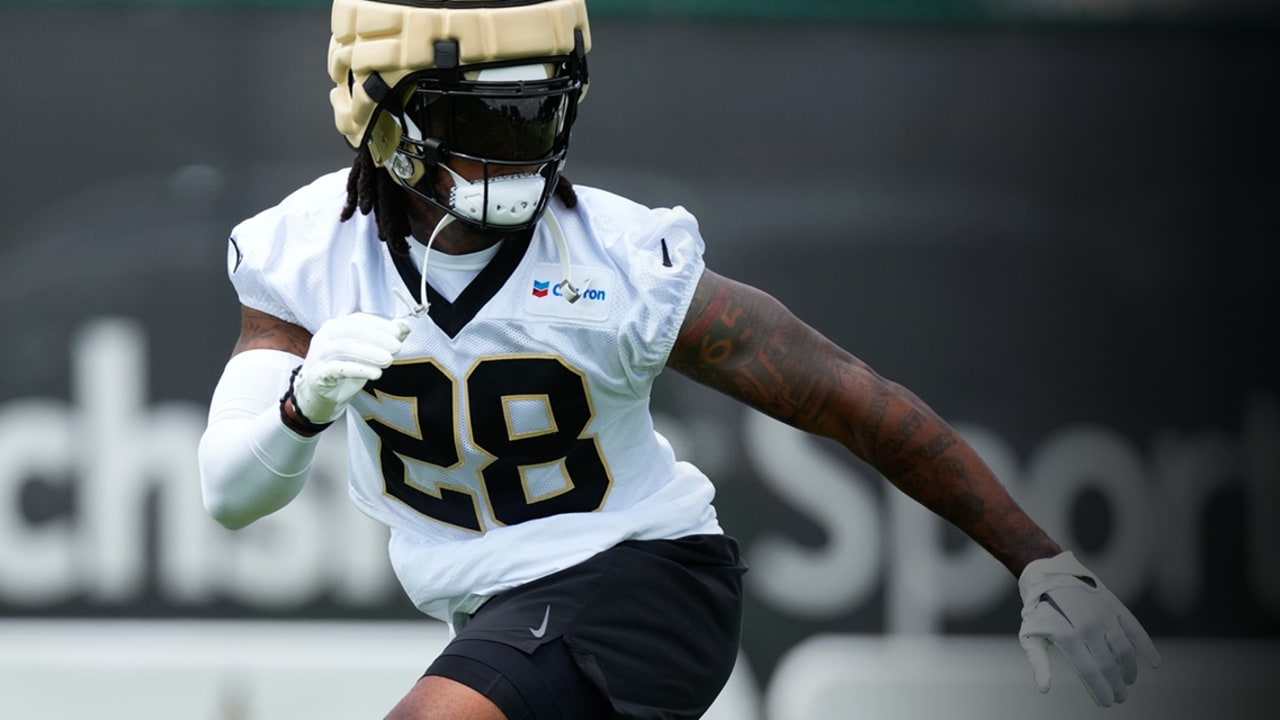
x=1064 y=604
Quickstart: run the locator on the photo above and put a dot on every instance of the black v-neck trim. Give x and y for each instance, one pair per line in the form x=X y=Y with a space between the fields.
x=451 y=317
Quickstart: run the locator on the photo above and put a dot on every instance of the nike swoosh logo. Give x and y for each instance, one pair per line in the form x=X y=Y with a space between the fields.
x=239 y=255
x=542 y=629
x=1045 y=597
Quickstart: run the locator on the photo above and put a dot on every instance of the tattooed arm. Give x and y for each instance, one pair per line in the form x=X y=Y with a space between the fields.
x=743 y=342
x=259 y=330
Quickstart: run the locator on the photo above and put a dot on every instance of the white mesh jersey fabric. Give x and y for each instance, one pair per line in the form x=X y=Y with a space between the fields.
x=523 y=444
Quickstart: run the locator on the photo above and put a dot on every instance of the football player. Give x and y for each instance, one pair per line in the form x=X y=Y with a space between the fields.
x=491 y=334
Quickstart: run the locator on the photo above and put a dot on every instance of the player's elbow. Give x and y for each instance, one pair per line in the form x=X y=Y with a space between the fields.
x=231 y=520
x=234 y=506
x=227 y=513
x=228 y=516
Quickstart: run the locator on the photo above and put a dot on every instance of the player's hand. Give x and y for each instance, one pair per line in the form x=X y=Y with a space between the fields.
x=346 y=352
x=1064 y=604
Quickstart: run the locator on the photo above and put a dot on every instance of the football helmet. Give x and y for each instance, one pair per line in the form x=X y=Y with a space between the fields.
x=492 y=85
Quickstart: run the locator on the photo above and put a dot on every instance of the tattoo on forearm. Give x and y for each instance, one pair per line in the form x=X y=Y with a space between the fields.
x=874 y=420
x=746 y=344
x=935 y=447
x=906 y=430
x=903 y=473
x=966 y=509
x=924 y=458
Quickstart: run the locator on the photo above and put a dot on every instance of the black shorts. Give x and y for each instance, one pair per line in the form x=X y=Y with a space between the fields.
x=646 y=630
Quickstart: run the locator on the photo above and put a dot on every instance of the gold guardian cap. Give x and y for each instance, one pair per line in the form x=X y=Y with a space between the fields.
x=494 y=82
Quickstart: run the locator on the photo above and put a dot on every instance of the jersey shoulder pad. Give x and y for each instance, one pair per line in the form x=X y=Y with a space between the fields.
x=271 y=255
x=658 y=254
x=625 y=227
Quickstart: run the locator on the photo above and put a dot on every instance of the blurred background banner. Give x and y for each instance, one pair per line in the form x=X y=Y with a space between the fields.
x=1053 y=220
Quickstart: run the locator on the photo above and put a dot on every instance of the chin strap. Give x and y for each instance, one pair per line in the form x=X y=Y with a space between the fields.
x=424 y=304
x=568 y=290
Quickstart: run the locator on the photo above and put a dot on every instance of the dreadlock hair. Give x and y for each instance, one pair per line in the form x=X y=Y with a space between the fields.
x=370 y=189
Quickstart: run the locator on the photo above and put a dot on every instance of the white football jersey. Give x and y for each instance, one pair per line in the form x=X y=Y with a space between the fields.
x=512 y=436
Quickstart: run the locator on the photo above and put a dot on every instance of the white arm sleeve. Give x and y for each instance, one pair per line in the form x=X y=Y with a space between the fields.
x=251 y=464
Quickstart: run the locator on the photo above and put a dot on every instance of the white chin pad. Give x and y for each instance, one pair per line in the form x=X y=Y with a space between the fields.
x=512 y=198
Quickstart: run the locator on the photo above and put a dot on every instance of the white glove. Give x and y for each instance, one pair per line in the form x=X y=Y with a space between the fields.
x=1064 y=604
x=346 y=352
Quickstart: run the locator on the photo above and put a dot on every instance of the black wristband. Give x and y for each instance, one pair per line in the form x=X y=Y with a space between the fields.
x=297 y=421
